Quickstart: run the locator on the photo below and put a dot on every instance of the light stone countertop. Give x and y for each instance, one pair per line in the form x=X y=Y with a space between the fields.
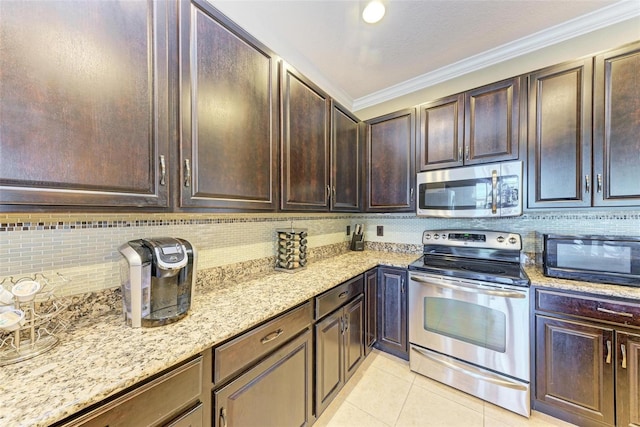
x=101 y=356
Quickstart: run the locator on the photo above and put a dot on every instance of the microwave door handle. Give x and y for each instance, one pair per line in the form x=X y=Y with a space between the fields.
x=494 y=192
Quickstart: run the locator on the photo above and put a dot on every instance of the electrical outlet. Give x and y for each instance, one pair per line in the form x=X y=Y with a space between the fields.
x=348 y=230
x=380 y=230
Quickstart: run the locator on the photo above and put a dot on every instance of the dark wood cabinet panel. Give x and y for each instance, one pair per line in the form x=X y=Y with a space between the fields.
x=229 y=114
x=276 y=392
x=390 y=160
x=492 y=122
x=339 y=346
x=371 y=308
x=84 y=103
x=346 y=160
x=559 y=127
x=628 y=379
x=392 y=312
x=441 y=133
x=329 y=366
x=616 y=145
x=305 y=144
x=354 y=337
x=478 y=126
x=574 y=368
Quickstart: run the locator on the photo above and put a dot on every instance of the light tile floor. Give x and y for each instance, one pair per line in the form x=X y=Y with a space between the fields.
x=385 y=393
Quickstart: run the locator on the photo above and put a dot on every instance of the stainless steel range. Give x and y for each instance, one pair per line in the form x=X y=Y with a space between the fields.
x=469 y=315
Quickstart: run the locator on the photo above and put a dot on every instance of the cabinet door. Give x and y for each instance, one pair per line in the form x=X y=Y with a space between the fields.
x=346 y=155
x=628 y=379
x=441 y=133
x=329 y=366
x=391 y=163
x=84 y=103
x=574 y=368
x=616 y=146
x=229 y=114
x=305 y=144
x=392 y=312
x=353 y=337
x=371 y=308
x=559 y=126
x=492 y=122
x=276 y=392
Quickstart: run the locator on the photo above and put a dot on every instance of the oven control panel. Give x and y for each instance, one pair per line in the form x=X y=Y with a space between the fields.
x=473 y=238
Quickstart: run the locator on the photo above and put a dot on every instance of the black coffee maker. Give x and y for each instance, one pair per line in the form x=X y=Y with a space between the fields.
x=158 y=280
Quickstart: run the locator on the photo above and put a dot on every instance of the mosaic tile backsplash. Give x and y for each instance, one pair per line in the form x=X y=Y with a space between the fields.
x=84 y=247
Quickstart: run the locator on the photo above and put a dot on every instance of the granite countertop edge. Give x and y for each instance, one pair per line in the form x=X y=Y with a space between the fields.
x=100 y=357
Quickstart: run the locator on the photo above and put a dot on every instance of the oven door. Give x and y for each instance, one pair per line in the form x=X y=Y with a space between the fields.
x=481 y=323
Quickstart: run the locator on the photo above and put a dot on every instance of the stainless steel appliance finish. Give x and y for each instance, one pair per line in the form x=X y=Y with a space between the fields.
x=469 y=315
x=158 y=280
x=491 y=190
x=602 y=259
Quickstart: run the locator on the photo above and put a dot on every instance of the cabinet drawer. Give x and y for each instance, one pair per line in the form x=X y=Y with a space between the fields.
x=589 y=307
x=152 y=403
x=238 y=353
x=334 y=298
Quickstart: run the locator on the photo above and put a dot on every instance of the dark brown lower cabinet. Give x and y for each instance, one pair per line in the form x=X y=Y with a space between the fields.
x=276 y=392
x=176 y=398
x=371 y=309
x=628 y=379
x=392 y=312
x=339 y=350
x=571 y=369
x=587 y=359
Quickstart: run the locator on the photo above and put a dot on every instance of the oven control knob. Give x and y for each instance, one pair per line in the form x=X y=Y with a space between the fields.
x=427 y=236
x=513 y=240
x=500 y=239
x=436 y=236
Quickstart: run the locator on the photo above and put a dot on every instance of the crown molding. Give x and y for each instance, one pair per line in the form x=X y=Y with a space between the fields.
x=601 y=18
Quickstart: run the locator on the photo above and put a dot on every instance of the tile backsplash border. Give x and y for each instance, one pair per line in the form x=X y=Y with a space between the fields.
x=239 y=240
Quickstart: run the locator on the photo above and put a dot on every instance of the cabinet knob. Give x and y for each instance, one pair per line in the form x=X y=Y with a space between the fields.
x=223 y=418
x=609 y=351
x=411 y=194
x=623 y=348
x=599 y=179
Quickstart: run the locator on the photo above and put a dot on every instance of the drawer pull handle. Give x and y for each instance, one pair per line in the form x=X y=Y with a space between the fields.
x=343 y=294
x=272 y=336
x=624 y=356
x=609 y=351
x=618 y=313
x=187 y=173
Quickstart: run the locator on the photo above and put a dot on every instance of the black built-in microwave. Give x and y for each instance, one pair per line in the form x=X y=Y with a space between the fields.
x=602 y=259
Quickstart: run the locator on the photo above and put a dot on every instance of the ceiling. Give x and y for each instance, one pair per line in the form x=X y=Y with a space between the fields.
x=418 y=43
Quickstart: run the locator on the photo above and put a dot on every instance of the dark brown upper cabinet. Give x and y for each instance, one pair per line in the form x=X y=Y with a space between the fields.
x=305 y=171
x=346 y=160
x=84 y=104
x=228 y=113
x=616 y=138
x=559 y=127
x=390 y=162
x=478 y=126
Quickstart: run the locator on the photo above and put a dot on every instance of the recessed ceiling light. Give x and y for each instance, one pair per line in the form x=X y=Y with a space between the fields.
x=373 y=12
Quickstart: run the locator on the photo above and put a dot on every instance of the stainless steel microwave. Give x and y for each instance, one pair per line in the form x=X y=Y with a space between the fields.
x=602 y=259
x=491 y=190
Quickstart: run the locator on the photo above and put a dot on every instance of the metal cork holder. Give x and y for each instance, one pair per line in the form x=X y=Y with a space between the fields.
x=292 y=249
x=41 y=322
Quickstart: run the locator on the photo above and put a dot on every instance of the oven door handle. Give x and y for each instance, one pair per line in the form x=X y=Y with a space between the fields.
x=476 y=289
x=449 y=363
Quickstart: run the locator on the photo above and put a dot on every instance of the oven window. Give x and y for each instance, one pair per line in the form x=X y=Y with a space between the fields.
x=471 y=323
